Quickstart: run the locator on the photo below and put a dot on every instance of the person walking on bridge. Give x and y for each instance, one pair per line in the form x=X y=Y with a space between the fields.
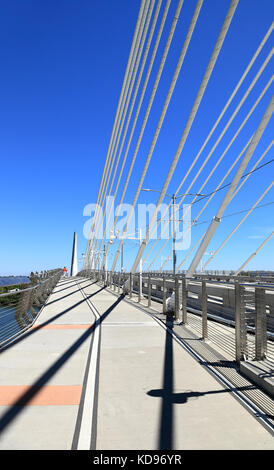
x=65 y=272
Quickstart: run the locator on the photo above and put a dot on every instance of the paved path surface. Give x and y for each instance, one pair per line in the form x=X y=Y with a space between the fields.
x=98 y=371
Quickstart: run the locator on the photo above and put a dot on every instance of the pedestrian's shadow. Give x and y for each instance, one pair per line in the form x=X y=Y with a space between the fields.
x=165 y=437
x=169 y=398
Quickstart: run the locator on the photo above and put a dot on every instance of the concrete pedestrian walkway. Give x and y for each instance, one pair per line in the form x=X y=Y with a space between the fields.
x=42 y=374
x=97 y=371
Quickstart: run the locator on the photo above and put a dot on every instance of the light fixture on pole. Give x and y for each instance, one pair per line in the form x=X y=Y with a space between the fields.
x=173 y=197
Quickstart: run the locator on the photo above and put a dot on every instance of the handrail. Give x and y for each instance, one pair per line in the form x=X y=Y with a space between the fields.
x=20 y=310
x=248 y=307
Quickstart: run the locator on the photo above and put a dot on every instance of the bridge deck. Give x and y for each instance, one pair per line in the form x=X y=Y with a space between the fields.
x=98 y=371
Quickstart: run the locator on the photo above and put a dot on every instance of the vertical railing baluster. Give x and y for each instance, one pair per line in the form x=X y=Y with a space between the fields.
x=260 y=324
x=149 y=290
x=164 y=294
x=119 y=283
x=204 y=311
x=240 y=325
x=130 y=285
x=139 y=287
x=184 y=300
x=176 y=299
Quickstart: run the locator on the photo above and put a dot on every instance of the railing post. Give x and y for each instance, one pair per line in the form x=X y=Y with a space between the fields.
x=204 y=311
x=149 y=290
x=240 y=326
x=31 y=304
x=184 y=300
x=21 y=313
x=261 y=324
x=119 y=283
x=130 y=285
x=124 y=282
x=139 y=287
x=176 y=294
x=164 y=294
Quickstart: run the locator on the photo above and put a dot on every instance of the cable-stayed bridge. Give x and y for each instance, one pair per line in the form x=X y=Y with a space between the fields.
x=148 y=345
x=231 y=155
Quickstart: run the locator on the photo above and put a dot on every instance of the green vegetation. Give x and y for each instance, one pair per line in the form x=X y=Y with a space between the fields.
x=10 y=300
x=5 y=289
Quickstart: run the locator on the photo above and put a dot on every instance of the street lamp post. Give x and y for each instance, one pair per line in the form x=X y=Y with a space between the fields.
x=139 y=237
x=174 y=235
x=116 y=235
x=173 y=198
x=122 y=258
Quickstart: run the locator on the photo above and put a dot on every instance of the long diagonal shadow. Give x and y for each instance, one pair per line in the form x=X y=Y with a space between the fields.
x=71 y=285
x=25 y=398
x=65 y=296
x=166 y=423
x=64 y=283
x=70 y=282
x=38 y=327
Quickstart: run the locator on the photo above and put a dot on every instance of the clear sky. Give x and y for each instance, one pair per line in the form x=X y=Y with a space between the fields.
x=62 y=67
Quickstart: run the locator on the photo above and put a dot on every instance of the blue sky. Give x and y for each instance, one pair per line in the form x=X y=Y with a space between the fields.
x=62 y=67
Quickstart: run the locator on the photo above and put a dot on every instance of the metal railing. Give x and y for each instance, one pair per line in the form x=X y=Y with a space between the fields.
x=246 y=311
x=19 y=308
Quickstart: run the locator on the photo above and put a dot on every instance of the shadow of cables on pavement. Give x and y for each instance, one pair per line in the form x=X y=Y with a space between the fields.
x=17 y=407
x=35 y=328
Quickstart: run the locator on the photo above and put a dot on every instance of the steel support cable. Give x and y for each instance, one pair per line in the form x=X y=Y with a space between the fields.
x=243 y=211
x=137 y=115
x=219 y=187
x=163 y=113
x=226 y=200
x=229 y=215
x=214 y=192
x=228 y=103
x=222 y=113
x=238 y=225
x=225 y=216
x=131 y=107
x=220 y=159
x=207 y=202
x=128 y=81
x=231 y=142
x=100 y=222
x=189 y=123
x=180 y=220
x=137 y=28
x=228 y=124
x=139 y=49
x=127 y=78
x=201 y=188
x=252 y=169
x=254 y=254
x=122 y=108
x=192 y=249
x=151 y=100
x=243 y=176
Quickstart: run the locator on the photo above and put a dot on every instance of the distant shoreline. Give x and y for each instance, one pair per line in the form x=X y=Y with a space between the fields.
x=13 y=280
